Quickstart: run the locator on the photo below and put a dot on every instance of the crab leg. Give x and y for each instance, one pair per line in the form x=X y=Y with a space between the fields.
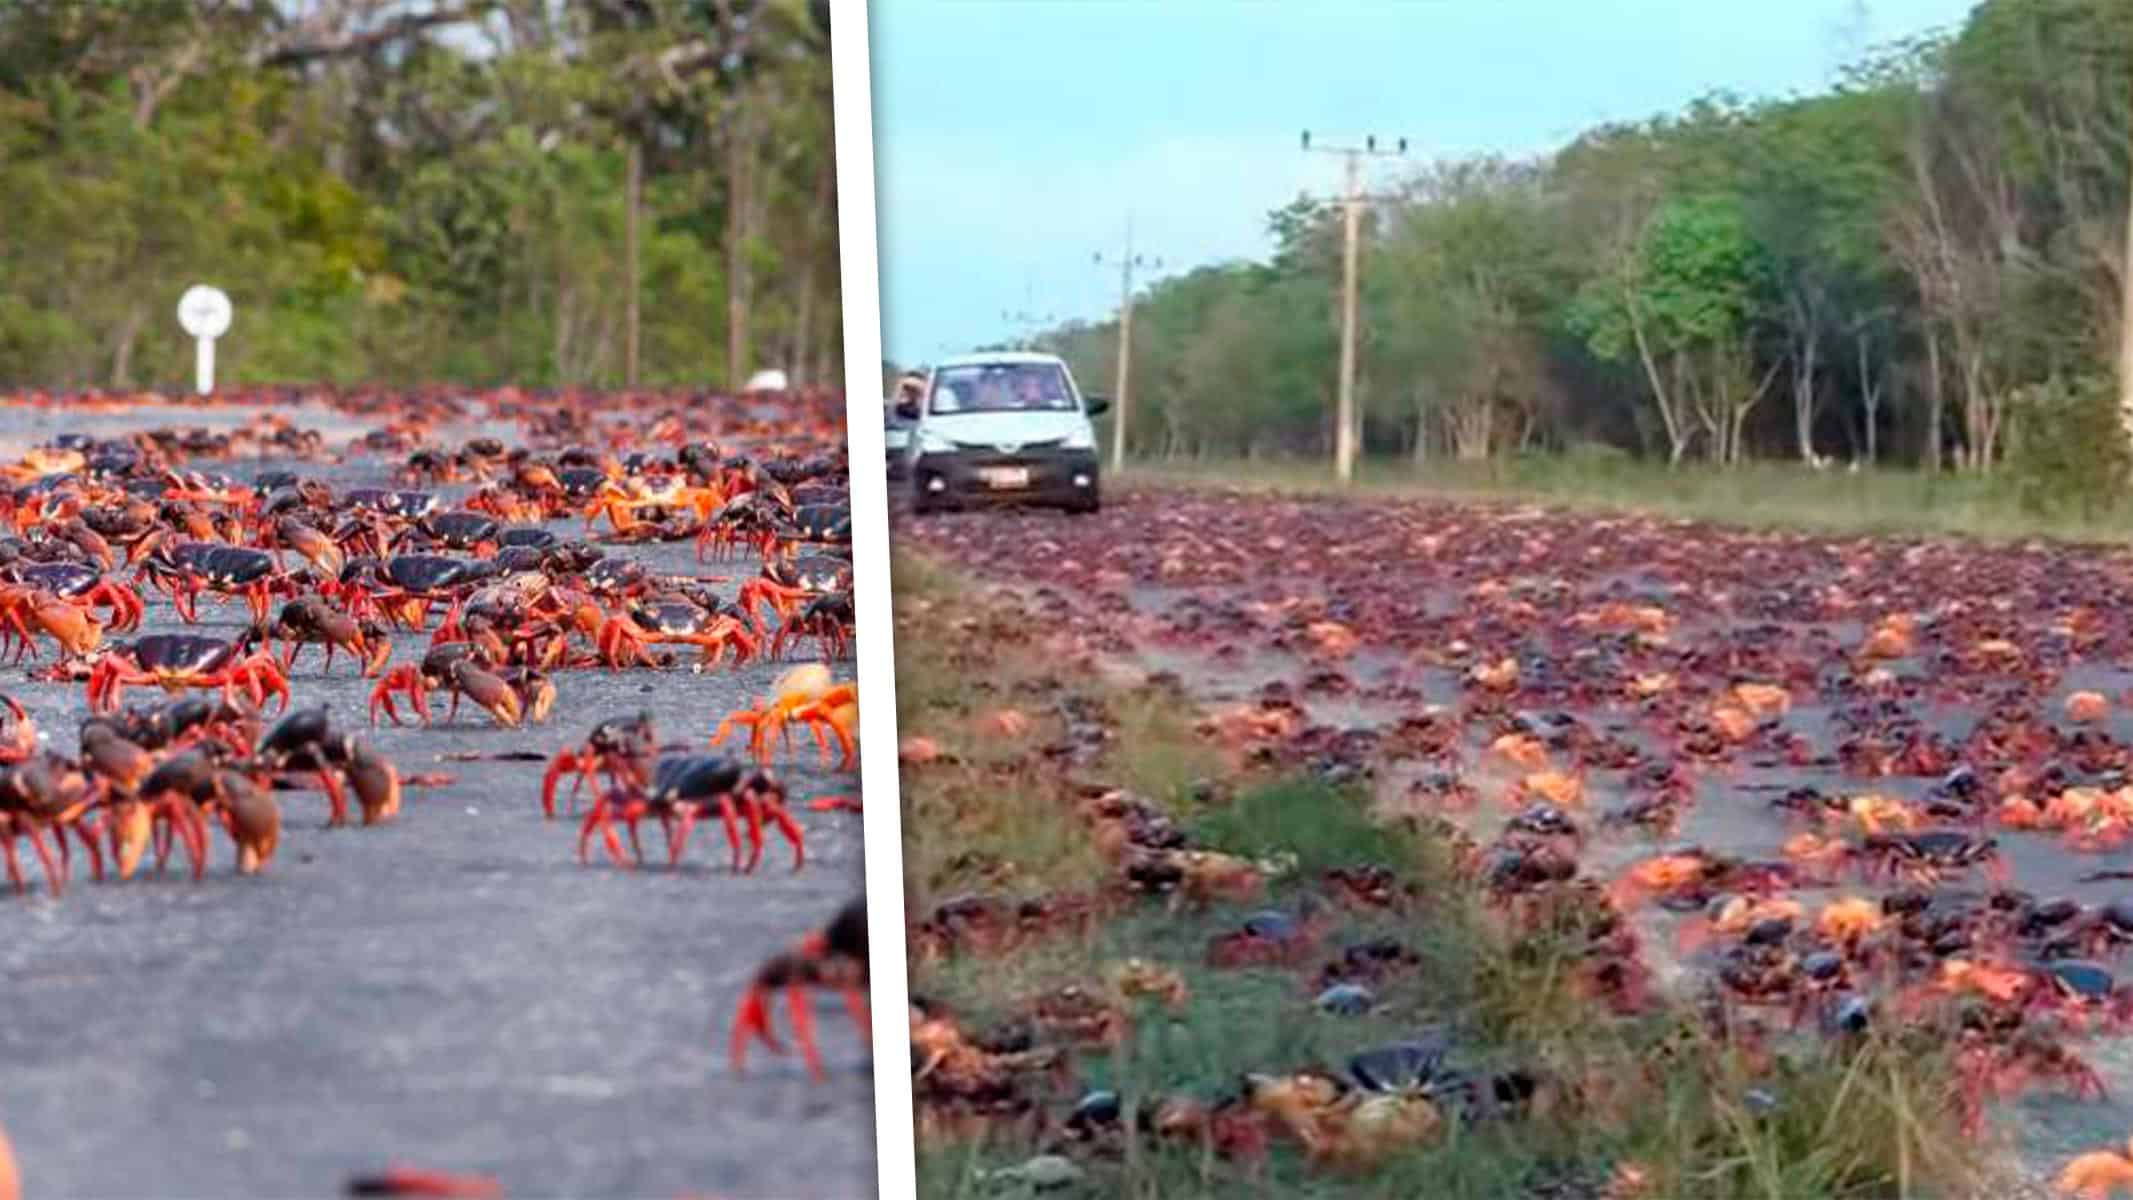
x=801 y=1006
x=14 y=866
x=790 y=828
x=733 y=833
x=602 y=818
x=338 y=802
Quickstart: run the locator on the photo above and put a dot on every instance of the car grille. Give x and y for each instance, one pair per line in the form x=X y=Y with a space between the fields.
x=994 y=448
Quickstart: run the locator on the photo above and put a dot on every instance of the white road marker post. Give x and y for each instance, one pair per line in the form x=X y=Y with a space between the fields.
x=204 y=312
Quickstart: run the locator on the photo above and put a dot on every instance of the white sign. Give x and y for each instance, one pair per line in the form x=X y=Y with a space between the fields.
x=204 y=312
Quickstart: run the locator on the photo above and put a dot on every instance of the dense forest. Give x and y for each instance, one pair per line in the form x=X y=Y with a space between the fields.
x=1902 y=269
x=539 y=192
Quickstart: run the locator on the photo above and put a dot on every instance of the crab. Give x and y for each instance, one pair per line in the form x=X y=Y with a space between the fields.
x=26 y=612
x=625 y=637
x=806 y=694
x=288 y=532
x=827 y=618
x=685 y=787
x=84 y=585
x=470 y=532
x=404 y=587
x=33 y=800
x=1925 y=856
x=1996 y=1063
x=189 y=720
x=313 y=620
x=175 y=662
x=306 y=741
x=2097 y=1175
x=1680 y=875
x=1343 y=1126
x=784 y=583
x=834 y=956
x=434 y=673
x=618 y=748
x=622 y=501
x=495 y=692
x=141 y=799
x=183 y=569
x=388 y=502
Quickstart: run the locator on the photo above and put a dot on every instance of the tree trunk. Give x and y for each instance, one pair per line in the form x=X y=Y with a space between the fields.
x=122 y=355
x=740 y=162
x=1870 y=399
x=1935 y=400
x=1803 y=395
x=1677 y=439
x=633 y=204
x=2125 y=325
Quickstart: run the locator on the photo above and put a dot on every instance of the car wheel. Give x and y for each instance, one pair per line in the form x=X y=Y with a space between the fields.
x=1087 y=504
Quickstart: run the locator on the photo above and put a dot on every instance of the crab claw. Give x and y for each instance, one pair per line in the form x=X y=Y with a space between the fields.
x=376 y=783
x=491 y=691
x=563 y=764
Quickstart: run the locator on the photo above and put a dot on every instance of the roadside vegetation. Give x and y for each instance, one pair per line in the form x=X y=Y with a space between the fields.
x=2019 y=502
x=418 y=193
x=1650 y=1104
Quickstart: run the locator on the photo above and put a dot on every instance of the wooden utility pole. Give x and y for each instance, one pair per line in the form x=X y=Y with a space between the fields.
x=2125 y=323
x=633 y=200
x=1123 y=402
x=1347 y=429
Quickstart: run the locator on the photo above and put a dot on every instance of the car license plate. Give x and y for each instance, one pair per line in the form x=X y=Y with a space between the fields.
x=1005 y=477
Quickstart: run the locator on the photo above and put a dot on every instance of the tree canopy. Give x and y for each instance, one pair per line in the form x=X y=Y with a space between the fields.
x=1880 y=271
x=414 y=191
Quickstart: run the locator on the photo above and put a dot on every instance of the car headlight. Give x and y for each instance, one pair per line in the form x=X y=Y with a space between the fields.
x=933 y=443
x=1081 y=439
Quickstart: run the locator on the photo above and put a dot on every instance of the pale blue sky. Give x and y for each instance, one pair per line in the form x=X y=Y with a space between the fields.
x=1011 y=138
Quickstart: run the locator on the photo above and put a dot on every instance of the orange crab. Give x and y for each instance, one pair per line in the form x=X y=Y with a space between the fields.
x=2097 y=1175
x=1849 y=920
x=1522 y=750
x=2087 y=708
x=1816 y=854
x=1736 y=916
x=1894 y=637
x=1877 y=813
x=1762 y=699
x=1560 y=788
x=807 y=694
x=1659 y=875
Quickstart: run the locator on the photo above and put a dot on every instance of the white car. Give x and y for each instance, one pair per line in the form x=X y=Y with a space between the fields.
x=1008 y=426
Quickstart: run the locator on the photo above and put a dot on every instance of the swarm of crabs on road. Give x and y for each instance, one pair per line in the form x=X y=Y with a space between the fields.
x=1810 y=789
x=462 y=551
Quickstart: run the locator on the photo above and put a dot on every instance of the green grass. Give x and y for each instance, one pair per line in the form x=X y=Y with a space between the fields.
x=1656 y=1091
x=1754 y=495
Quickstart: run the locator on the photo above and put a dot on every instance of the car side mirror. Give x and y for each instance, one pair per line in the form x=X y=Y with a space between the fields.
x=907 y=409
x=1096 y=406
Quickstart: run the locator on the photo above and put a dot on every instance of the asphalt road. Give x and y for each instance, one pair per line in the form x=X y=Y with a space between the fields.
x=451 y=990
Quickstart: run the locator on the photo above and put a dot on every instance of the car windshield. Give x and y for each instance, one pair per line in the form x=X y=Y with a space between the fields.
x=1002 y=387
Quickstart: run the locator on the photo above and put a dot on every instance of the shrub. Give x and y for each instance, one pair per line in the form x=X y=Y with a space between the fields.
x=2067 y=451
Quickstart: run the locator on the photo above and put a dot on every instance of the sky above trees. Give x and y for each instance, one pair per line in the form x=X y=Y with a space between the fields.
x=1012 y=139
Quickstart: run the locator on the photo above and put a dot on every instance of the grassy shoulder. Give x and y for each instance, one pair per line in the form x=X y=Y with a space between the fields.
x=1754 y=495
x=1649 y=1104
